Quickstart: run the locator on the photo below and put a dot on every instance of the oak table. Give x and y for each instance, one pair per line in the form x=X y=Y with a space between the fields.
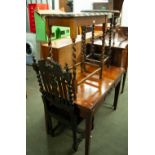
x=92 y=93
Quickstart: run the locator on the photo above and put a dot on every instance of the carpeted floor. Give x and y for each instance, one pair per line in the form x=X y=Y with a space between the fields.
x=109 y=137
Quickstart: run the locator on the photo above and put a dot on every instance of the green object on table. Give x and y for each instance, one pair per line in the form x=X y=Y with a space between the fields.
x=57 y=31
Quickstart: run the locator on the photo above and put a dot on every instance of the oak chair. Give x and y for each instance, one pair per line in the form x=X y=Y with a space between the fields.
x=58 y=98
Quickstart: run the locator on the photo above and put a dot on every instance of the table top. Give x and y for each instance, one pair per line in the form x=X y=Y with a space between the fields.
x=72 y=20
x=94 y=90
x=50 y=13
x=104 y=11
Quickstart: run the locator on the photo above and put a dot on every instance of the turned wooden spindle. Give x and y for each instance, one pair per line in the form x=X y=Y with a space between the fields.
x=74 y=64
x=83 y=48
x=110 y=37
x=71 y=93
x=103 y=45
x=92 y=40
x=114 y=29
x=35 y=67
x=50 y=46
x=49 y=35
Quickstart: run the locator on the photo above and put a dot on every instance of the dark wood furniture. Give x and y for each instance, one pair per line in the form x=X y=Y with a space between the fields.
x=117 y=4
x=119 y=54
x=92 y=93
x=62 y=49
x=74 y=21
x=110 y=31
x=90 y=96
x=116 y=49
x=89 y=90
x=58 y=97
x=119 y=57
x=111 y=5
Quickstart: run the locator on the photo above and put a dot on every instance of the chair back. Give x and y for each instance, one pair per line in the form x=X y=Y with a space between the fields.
x=55 y=84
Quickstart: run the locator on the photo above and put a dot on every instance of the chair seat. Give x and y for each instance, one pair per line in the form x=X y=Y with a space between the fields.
x=63 y=116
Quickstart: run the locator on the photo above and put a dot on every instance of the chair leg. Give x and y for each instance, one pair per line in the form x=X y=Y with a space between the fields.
x=123 y=82
x=75 y=146
x=52 y=131
x=58 y=129
x=48 y=123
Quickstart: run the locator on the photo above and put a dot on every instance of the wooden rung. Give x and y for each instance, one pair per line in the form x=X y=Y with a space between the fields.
x=106 y=57
x=93 y=60
x=88 y=63
x=91 y=84
x=77 y=64
x=89 y=55
x=88 y=76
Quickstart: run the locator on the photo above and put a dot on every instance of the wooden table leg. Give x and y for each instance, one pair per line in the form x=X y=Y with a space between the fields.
x=88 y=133
x=123 y=82
x=117 y=89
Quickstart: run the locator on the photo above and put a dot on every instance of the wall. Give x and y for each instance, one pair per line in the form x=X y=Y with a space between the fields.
x=124 y=20
x=79 y=5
